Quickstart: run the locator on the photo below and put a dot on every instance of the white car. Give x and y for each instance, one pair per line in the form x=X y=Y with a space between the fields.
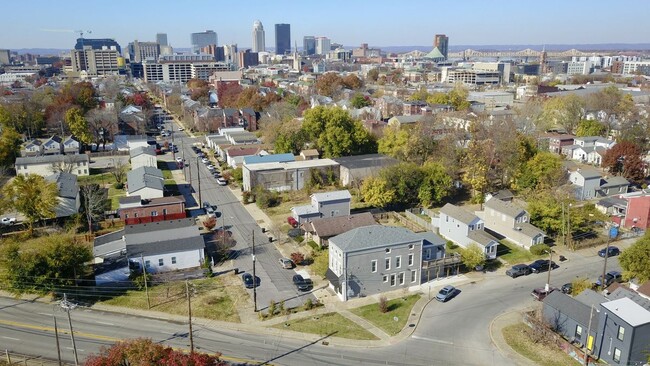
x=222 y=182
x=181 y=128
x=179 y=159
x=205 y=161
x=8 y=221
x=210 y=167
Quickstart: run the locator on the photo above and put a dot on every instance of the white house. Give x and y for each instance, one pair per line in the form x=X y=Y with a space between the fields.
x=143 y=156
x=33 y=148
x=49 y=164
x=69 y=199
x=511 y=221
x=464 y=228
x=325 y=204
x=146 y=182
x=71 y=145
x=53 y=146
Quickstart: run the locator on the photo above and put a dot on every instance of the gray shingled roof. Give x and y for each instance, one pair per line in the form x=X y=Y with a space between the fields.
x=159 y=226
x=588 y=173
x=373 y=236
x=52 y=159
x=458 y=213
x=615 y=182
x=331 y=196
x=528 y=229
x=622 y=292
x=590 y=297
x=481 y=237
x=331 y=226
x=66 y=184
x=508 y=208
x=571 y=307
x=140 y=150
x=165 y=246
x=144 y=176
x=366 y=161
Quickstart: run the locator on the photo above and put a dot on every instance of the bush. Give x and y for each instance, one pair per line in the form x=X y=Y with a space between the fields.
x=383 y=305
x=210 y=223
x=309 y=304
x=118 y=185
x=539 y=249
x=450 y=245
x=297 y=258
x=313 y=245
x=272 y=308
x=299 y=239
x=265 y=198
x=247 y=196
x=138 y=279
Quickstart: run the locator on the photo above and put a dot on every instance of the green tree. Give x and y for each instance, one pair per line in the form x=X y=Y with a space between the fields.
x=458 y=97
x=53 y=265
x=564 y=112
x=336 y=133
x=476 y=168
x=420 y=95
x=546 y=212
x=543 y=171
x=78 y=125
x=394 y=142
x=9 y=147
x=635 y=260
x=358 y=100
x=436 y=185
x=438 y=98
x=238 y=175
x=375 y=192
x=472 y=256
x=290 y=142
x=32 y=196
x=405 y=180
x=590 y=128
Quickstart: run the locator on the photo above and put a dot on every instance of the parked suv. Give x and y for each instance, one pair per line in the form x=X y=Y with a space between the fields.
x=541 y=265
x=303 y=284
x=611 y=251
x=540 y=293
x=610 y=277
x=518 y=270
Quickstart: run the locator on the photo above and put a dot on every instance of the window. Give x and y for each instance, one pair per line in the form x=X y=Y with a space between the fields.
x=401 y=278
x=385 y=278
x=617 y=355
x=147 y=264
x=578 y=331
x=411 y=246
x=471 y=228
x=392 y=280
x=387 y=250
x=161 y=262
x=621 y=333
x=164 y=211
x=414 y=276
x=398 y=261
x=173 y=260
x=410 y=259
x=154 y=213
x=387 y=263
x=373 y=266
x=135 y=214
x=85 y=171
x=427 y=254
x=78 y=172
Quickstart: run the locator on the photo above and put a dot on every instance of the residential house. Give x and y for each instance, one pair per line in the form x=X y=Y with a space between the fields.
x=612 y=186
x=208 y=119
x=557 y=142
x=590 y=184
x=68 y=193
x=250 y=118
x=309 y=154
x=32 y=148
x=53 y=146
x=48 y=164
x=354 y=169
x=143 y=156
x=71 y=145
x=161 y=246
x=612 y=206
x=512 y=222
x=373 y=259
x=503 y=195
x=320 y=230
x=288 y=176
x=146 y=182
x=235 y=154
x=131 y=120
x=413 y=108
x=135 y=210
x=589 y=149
x=325 y=204
x=464 y=228
x=270 y=158
x=401 y=121
x=135 y=141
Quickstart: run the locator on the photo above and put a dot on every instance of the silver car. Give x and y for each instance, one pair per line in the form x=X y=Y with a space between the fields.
x=446 y=293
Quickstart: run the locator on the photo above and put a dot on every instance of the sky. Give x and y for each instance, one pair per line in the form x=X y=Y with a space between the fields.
x=49 y=24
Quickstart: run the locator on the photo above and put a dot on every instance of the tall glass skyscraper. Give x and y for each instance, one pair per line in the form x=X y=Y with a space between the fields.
x=309 y=45
x=282 y=38
x=259 y=44
x=202 y=39
x=161 y=38
x=442 y=42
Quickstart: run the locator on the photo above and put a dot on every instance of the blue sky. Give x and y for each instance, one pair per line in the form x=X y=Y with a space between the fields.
x=43 y=23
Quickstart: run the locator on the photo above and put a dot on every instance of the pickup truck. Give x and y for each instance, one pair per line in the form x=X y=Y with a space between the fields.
x=8 y=221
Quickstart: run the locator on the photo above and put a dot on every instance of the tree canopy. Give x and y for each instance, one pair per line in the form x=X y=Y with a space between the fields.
x=590 y=128
x=624 y=159
x=473 y=256
x=336 y=133
x=9 y=147
x=78 y=125
x=563 y=112
x=32 y=196
x=635 y=260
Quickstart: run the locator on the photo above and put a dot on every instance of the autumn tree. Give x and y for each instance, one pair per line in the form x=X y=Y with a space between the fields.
x=328 y=84
x=358 y=100
x=473 y=256
x=458 y=97
x=10 y=141
x=94 y=203
x=564 y=112
x=78 y=125
x=228 y=94
x=32 y=196
x=635 y=260
x=351 y=81
x=624 y=159
x=25 y=117
x=375 y=191
x=101 y=123
x=543 y=171
x=394 y=142
x=436 y=185
x=476 y=163
x=590 y=128
x=373 y=74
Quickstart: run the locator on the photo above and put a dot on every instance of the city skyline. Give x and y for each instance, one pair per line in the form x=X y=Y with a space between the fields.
x=349 y=23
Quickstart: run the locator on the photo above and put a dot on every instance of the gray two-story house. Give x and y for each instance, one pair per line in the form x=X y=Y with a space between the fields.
x=511 y=221
x=326 y=204
x=464 y=228
x=373 y=259
x=586 y=182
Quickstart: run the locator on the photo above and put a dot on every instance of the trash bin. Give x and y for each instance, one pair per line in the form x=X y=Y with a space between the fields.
x=236 y=271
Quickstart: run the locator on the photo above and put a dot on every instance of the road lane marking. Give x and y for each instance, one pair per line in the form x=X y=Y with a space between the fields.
x=432 y=340
x=46 y=314
x=78 y=350
x=105 y=323
x=12 y=338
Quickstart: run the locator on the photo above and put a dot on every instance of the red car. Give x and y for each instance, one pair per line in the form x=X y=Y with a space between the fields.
x=291 y=221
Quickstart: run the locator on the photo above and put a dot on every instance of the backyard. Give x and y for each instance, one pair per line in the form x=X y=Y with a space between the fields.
x=513 y=254
x=399 y=309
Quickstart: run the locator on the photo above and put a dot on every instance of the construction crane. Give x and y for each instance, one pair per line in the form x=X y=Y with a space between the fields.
x=81 y=36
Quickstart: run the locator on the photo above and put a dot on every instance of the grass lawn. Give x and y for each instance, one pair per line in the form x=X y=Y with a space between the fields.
x=103 y=178
x=400 y=308
x=114 y=196
x=518 y=336
x=513 y=253
x=211 y=301
x=326 y=324
x=166 y=169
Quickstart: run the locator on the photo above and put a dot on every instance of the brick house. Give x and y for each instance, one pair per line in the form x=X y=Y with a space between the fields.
x=135 y=210
x=250 y=118
x=557 y=142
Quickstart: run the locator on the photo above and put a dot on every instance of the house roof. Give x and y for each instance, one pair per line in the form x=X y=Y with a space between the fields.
x=160 y=226
x=373 y=236
x=644 y=289
x=571 y=307
x=309 y=152
x=628 y=310
x=257 y=159
x=528 y=229
x=615 y=182
x=304 y=210
x=509 y=208
x=52 y=159
x=144 y=176
x=366 y=161
x=590 y=298
x=587 y=138
x=239 y=151
x=504 y=194
x=332 y=196
x=55 y=138
x=612 y=201
x=622 y=291
x=481 y=237
x=588 y=173
x=165 y=246
x=407 y=119
x=458 y=213
x=432 y=238
x=143 y=150
x=66 y=183
x=331 y=226
x=145 y=170
x=151 y=201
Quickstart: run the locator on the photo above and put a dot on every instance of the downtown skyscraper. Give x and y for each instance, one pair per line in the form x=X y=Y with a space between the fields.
x=282 y=38
x=202 y=39
x=259 y=41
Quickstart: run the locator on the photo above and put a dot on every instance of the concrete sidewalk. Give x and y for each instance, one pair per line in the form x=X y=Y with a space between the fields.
x=496 y=335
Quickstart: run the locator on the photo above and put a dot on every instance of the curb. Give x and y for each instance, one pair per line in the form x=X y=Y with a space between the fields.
x=506 y=352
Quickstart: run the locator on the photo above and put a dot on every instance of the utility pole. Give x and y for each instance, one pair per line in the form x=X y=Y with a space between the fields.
x=254 y=278
x=67 y=306
x=174 y=148
x=56 y=335
x=568 y=224
x=146 y=287
x=183 y=156
x=563 y=226
x=602 y=279
x=189 y=311
x=550 y=267
x=198 y=178
x=586 y=350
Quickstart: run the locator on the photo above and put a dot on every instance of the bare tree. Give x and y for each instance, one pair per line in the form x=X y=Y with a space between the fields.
x=102 y=124
x=94 y=202
x=119 y=171
x=66 y=166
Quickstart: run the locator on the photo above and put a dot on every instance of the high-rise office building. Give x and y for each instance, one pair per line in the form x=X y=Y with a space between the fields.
x=259 y=43
x=247 y=59
x=161 y=38
x=105 y=61
x=96 y=44
x=5 y=57
x=442 y=42
x=323 y=45
x=140 y=51
x=202 y=39
x=282 y=38
x=309 y=45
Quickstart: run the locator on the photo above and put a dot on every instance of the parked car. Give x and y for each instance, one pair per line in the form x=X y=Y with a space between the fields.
x=540 y=293
x=181 y=128
x=303 y=284
x=612 y=251
x=518 y=270
x=210 y=167
x=541 y=265
x=179 y=159
x=248 y=280
x=222 y=182
x=446 y=293
x=610 y=277
x=8 y=221
x=293 y=222
x=205 y=161
x=567 y=288
x=286 y=263
x=210 y=210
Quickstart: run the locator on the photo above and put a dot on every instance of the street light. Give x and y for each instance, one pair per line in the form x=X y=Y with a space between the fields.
x=67 y=306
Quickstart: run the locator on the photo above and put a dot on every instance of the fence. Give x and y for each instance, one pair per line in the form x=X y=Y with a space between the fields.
x=19 y=359
x=401 y=219
x=412 y=214
x=98 y=154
